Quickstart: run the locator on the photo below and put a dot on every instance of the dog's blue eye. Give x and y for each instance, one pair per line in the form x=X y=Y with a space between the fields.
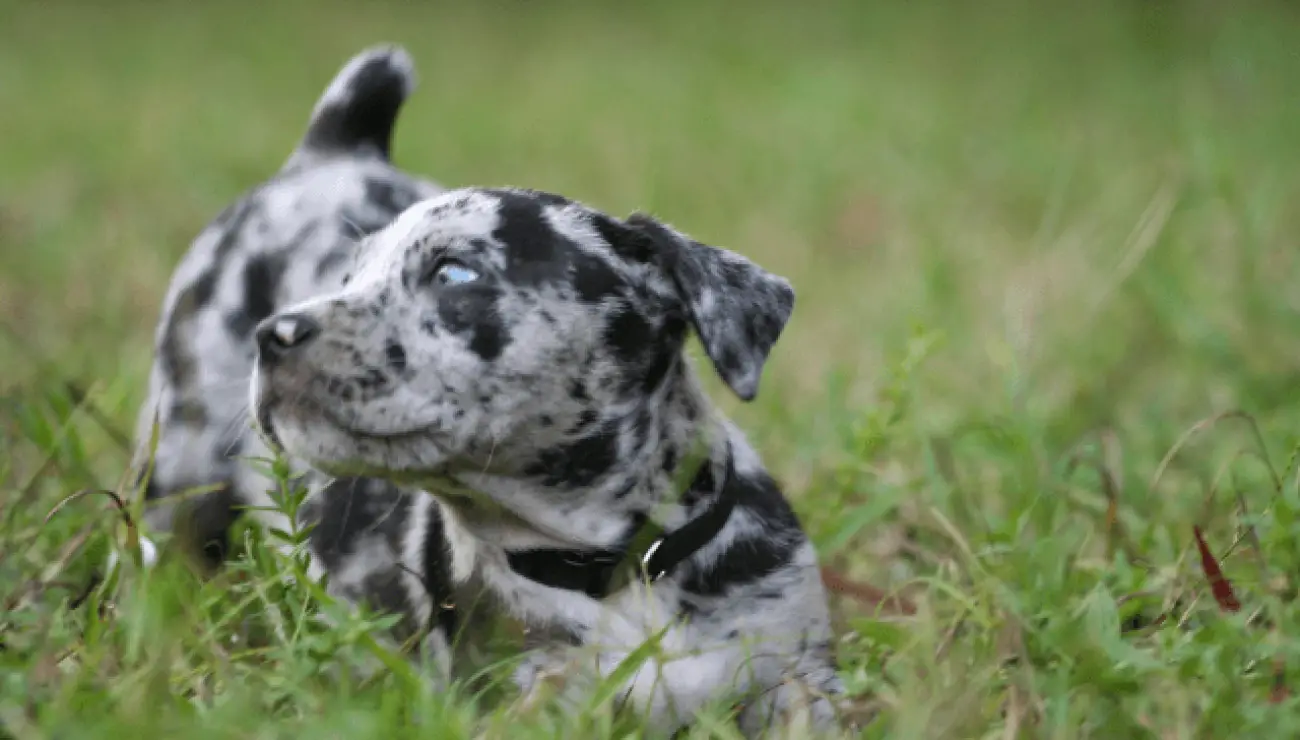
x=452 y=273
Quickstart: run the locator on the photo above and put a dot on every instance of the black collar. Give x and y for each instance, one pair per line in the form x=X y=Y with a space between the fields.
x=657 y=553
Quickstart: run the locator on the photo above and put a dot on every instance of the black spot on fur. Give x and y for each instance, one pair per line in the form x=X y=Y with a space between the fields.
x=188 y=411
x=538 y=197
x=349 y=514
x=203 y=288
x=757 y=555
x=669 y=462
x=437 y=574
x=578 y=391
x=593 y=279
x=348 y=510
x=489 y=339
x=628 y=334
x=535 y=253
x=744 y=561
x=262 y=275
x=370 y=379
x=664 y=354
x=389 y=195
x=586 y=418
x=395 y=356
x=624 y=240
x=471 y=309
x=334 y=259
x=580 y=463
x=177 y=363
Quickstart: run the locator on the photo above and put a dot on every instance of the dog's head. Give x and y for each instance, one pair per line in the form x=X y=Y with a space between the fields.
x=484 y=329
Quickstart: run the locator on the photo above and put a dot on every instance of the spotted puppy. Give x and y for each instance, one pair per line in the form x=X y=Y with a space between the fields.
x=520 y=356
x=285 y=241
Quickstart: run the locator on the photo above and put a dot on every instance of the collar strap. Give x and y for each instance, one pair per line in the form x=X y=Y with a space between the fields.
x=655 y=552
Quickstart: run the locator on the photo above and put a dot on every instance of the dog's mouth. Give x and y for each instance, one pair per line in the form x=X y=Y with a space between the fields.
x=366 y=445
x=311 y=410
x=418 y=432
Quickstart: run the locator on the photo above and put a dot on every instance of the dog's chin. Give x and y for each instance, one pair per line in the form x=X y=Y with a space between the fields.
x=338 y=451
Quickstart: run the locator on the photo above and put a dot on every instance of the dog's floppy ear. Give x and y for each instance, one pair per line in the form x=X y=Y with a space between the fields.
x=738 y=309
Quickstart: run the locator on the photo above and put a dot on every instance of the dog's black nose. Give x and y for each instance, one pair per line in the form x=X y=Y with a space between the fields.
x=280 y=335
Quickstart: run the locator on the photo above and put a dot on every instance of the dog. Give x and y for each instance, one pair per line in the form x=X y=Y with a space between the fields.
x=519 y=356
x=285 y=240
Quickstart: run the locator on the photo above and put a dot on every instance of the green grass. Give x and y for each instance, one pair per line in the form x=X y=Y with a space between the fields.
x=1032 y=246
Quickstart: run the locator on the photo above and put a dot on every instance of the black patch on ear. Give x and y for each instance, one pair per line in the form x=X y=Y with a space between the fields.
x=579 y=463
x=738 y=309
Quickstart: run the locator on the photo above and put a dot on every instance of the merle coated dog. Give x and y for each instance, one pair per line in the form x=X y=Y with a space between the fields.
x=519 y=357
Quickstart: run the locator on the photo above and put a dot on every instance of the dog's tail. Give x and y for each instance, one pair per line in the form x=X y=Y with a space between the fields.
x=357 y=112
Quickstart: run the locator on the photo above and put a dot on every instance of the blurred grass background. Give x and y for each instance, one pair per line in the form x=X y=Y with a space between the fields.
x=1013 y=227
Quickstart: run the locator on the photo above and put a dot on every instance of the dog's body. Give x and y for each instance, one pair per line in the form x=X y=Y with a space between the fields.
x=282 y=242
x=520 y=356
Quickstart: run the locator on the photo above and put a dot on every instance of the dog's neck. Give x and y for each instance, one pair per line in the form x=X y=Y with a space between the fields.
x=679 y=432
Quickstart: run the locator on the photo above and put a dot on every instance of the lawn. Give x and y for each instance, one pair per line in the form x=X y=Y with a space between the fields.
x=1047 y=272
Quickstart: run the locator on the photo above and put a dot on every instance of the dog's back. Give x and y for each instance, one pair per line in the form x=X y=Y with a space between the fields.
x=282 y=241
